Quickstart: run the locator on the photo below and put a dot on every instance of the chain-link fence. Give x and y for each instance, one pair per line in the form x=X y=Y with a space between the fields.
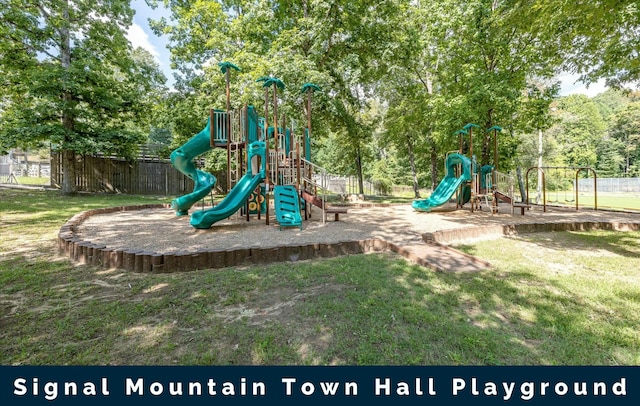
x=346 y=185
x=610 y=185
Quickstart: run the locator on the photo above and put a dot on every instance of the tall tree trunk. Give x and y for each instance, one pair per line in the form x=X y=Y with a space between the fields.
x=627 y=166
x=68 y=156
x=434 y=166
x=359 y=171
x=412 y=162
x=68 y=186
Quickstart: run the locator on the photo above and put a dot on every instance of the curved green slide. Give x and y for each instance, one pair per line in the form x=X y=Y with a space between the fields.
x=230 y=204
x=182 y=160
x=448 y=185
x=239 y=194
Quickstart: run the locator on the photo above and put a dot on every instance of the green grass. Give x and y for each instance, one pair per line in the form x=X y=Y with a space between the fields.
x=32 y=181
x=617 y=201
x=552 y=299
x=577 y=293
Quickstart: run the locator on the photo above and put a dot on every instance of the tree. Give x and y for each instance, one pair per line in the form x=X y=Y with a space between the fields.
x=457 y=63
x=611 y=161
x=625 y=132
x=412 y=88
x=338 y=45
x=493 y=59
x=579 y=131
x=407 y=126
x=597 y=38
x=611 y=102
x=72 y=78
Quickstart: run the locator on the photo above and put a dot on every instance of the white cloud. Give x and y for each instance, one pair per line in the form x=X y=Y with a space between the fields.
x=139 y=38
x=570 y=84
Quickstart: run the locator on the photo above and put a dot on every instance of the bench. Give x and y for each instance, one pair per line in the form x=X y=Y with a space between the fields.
x=335 y=210
x=522 y=206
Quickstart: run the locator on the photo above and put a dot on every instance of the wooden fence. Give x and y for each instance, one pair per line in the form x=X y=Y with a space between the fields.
x=114 y=175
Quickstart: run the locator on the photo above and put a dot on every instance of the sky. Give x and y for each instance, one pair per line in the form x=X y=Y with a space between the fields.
x=141 y=35
x=569 y=84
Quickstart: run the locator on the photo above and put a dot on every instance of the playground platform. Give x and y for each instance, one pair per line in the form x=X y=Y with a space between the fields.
x=153 y=239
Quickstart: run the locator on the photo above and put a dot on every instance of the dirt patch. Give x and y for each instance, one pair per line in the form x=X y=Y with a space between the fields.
x=279 y=305
x=9 y=306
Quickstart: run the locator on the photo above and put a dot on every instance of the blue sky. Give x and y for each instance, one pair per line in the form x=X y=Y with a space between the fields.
x=141 y=35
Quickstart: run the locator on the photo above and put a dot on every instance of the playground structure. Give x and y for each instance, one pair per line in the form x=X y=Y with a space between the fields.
x=475 y=184
x=463 y=176
x=263 y=162
x=504 y=188
x=574 y=197
x=276 y=160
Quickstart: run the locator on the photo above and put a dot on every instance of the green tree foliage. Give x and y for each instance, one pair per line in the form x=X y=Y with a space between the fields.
x=464 y=62
x=433 y=66
x=338 y=45
x=71 y=78
x=579 y=131
x=625 y=134
x=597 y=38
x=611 y=102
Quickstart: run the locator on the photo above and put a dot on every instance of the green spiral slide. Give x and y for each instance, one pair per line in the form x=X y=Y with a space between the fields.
x=182 y=160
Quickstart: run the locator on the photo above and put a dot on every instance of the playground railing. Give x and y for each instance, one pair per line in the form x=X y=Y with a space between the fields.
x=488 y=181
x=238 y=126
x=273 y=166
x=315 y=178
x=289 y=171
x=504 y=183
x=229 y=126
x=220 y=123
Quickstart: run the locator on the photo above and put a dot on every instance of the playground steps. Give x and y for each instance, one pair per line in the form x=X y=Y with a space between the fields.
x=318 y=202
x=287 y=205
x=440 y=257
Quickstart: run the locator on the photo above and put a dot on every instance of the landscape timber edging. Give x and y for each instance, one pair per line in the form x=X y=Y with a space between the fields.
x=468 y=233
x=85 y=252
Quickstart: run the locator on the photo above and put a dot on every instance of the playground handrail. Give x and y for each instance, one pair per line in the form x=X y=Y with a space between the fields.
x=502 y=180
x=319 y=173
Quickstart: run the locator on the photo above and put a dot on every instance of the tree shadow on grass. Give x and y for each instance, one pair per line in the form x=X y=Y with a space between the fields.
x=372 y=309
x=623 y=243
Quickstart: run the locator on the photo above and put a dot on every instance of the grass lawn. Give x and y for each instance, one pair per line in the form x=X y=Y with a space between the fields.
x=30 y=180
x=552 y=299
x=616 y=201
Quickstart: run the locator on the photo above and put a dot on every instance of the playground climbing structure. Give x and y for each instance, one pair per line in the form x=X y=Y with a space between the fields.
x=264 y=162
x=471 y=182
